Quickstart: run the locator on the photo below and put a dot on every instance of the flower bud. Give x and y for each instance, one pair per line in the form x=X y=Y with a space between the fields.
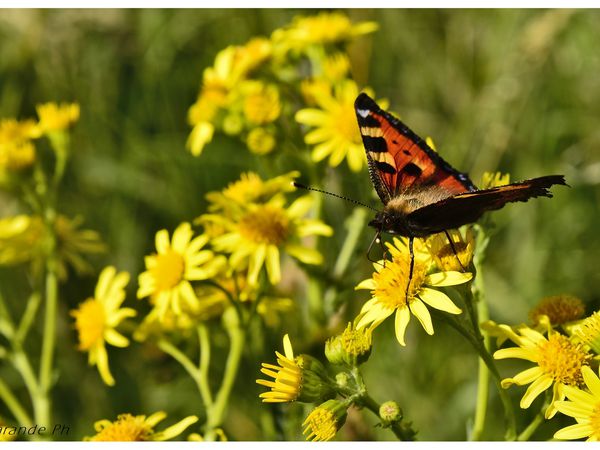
x=352 y=347
x=390 y=412
x=315 y=386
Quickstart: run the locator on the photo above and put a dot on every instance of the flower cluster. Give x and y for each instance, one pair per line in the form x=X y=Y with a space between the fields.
x=249 y=89
x=562 y=345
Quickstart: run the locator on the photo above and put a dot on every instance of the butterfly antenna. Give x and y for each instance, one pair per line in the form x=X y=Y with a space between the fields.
x=351 y=200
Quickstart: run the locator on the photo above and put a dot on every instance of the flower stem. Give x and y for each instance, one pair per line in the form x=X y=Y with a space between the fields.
x=178 y=356
x=43 y=410
x=539 y=419
x=203 y=383
x=354 y=225
x=237 y=336
x=14 y=406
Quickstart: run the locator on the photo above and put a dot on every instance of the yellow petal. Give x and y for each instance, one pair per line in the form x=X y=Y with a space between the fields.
x=369 y=284
x=156 y=418
x=256 y=262
x=272 y=263
x=304 y=254
x=450 y=278
x=438 y=300
x=311 y=116
x=102 y=364
x=591 y=380
x=162 y=241
x=174 y=430
x=401 y=322
x=576 y=410
x=528 y=376
x=576 y=431
x=516 y=352
x=115 y=338
x=301 y=206
x=577 y=395
x=535 y=389
x=421 y=312
x=321 y=151
x=287 y=347
x=104 y=280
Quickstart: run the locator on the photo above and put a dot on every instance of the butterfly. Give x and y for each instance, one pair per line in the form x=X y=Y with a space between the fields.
x=421 y=193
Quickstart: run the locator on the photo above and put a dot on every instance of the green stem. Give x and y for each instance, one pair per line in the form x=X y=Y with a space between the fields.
x=483 y=381
x=539 y=419
x=13 y=404
x=180 y=357
x=203 y=383
x=31 y=309
x=354 y=225
x=43 y=411
x=509 y=415
x=216 y=412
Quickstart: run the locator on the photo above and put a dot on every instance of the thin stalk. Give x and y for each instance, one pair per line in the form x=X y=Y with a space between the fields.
x=203 y=383
x=14 y=406
x=354 y=225
x=43 y=412
x=539 y=419
x=179 y=356
x=33 y=304
x=216 y=412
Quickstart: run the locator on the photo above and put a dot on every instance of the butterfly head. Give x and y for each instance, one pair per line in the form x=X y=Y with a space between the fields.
x=391 y=221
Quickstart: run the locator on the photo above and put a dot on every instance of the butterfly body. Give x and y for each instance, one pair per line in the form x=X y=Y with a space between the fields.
x=423 y=194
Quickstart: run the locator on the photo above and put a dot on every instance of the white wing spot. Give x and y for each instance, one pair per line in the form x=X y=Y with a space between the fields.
x=363 y=113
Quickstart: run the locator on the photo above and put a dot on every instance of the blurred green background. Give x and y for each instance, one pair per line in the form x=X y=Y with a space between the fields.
x=507 y=90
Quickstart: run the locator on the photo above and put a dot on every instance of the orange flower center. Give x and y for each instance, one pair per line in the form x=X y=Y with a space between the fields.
x=266 y=225
x=562 y=359
x=393 y=279
x=168 y=271
x=126 y=428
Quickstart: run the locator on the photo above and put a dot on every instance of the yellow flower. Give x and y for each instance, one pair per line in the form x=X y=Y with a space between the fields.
x=336 y=133
x=584 y=407
x=201 y=134
x=352 y=346
x=261 y=141
x=19 y=238
x=55 y=117
x=325 y=420
x=588 y=331
x=494 y=179
x=324 y=28
x=336 y=67
x=301 y=378
x=287 y=376
x=261 y=102
x=97 y=318
x=128 y=428
x=388 y=287
x=560 y=309
x=250 y=188
x=443 y=253
x=254 y=238
x=559 y=361
x=176 y=263
x=17 y=152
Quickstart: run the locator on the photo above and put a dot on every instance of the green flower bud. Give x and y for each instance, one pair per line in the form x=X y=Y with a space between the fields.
x=315 y=386
x=390 y=412
x=352 y=347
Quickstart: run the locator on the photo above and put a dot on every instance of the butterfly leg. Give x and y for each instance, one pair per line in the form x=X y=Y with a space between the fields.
x=454 y=249
x=375 y=239
x=411 y=268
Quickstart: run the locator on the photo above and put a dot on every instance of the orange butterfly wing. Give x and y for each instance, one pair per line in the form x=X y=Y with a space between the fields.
x=399 y=160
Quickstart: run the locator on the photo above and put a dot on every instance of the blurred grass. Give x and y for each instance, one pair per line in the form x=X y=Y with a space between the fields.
x=509 y=90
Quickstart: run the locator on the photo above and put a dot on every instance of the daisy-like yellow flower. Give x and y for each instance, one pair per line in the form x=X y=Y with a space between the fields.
x=325 y=420
x=176 y=263
x=584 y=407
x=129 y=428
x=19 y=236
x=97 y=318
x=302 y=378
x=17 y=152
x=323 y=28
x=388 y=287
x=287 y=376
x=444 y=254
x=248 y=189
x=261 y=140
x=494 y=179
x=588 y=331
x=335 y=133
x=261 y=102
x=255 y=237
x=55 y=117
x=558 y=364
